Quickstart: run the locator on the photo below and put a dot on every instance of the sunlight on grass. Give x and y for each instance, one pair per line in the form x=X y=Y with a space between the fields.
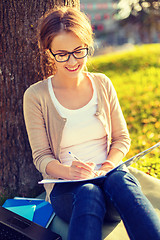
x=136 y=78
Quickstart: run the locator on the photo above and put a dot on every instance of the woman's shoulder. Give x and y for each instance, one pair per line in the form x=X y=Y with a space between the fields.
x=100 y=78
x=37 y=88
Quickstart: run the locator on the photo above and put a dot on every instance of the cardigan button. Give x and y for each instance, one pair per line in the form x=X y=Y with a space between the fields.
x=97 y=113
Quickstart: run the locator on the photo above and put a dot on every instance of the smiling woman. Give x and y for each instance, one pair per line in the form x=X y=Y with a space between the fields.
x=78 y=111
x=64 y=19
x=69 y=54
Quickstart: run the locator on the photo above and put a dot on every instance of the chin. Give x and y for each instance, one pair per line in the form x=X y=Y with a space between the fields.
x=75 y=73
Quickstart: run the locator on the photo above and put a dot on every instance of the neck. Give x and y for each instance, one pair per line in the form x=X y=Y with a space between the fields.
x=71 y=83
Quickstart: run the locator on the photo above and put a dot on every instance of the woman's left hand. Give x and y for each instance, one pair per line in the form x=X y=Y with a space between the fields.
x=106 y=166
x=100 y=173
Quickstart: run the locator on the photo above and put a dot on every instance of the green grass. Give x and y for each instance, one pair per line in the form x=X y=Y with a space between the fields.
x=136 y=78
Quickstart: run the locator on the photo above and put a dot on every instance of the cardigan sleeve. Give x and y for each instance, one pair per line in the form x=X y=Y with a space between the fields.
x=119 y=133
x=36 y=130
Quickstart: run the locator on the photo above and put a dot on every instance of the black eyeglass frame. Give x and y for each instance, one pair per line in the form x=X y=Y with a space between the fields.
x=69 y=54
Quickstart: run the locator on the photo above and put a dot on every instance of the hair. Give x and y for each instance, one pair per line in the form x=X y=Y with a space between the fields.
x=60 y=19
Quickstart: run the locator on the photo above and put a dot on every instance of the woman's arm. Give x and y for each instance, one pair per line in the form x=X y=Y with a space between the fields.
x=119 y=133
x=78 y=170
x=120 y=140
x=36 y=130
x=43 y=156
x=114 y=158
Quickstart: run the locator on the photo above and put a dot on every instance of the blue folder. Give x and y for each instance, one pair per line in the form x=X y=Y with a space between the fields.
x=36 y=210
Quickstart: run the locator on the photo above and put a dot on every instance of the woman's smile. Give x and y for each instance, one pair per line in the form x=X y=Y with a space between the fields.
x=73 y=69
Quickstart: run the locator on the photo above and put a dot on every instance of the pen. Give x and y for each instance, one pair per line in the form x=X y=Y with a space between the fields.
x=75 y=157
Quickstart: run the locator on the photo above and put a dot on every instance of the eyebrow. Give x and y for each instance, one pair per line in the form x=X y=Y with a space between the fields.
x=67 y=51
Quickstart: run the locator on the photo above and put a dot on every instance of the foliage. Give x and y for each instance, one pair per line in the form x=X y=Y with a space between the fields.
x=145 y=14
x=139 y=8
x=135 y=75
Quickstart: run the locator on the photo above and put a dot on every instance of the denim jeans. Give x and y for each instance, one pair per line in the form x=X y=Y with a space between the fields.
x=86 y=205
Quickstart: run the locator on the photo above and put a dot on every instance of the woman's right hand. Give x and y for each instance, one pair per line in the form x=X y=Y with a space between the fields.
x=80 y=170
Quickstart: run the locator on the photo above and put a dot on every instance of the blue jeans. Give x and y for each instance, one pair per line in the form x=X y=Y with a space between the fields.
x=85 y=205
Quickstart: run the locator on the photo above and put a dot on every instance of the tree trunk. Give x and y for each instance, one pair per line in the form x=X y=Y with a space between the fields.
x=19 y=68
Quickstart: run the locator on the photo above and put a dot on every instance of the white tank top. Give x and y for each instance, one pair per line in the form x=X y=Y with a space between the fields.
x=83 y=134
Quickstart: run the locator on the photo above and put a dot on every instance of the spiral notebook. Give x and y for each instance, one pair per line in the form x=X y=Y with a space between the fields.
x=127 y=163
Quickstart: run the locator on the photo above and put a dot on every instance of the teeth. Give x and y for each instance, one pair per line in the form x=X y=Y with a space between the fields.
x=72 y=69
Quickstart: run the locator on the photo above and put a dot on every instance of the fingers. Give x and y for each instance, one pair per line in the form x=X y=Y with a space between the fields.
x=80 y=170
x=101 y=173
x=107 y=168
x=80 y=164
x=91 y=164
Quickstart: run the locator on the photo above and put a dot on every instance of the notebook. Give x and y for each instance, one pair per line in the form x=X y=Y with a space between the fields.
x=127 y=163
x=15 y=227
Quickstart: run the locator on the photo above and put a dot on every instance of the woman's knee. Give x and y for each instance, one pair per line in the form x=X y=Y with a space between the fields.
x=90 y=190
x=121 y=180
x=89 y=199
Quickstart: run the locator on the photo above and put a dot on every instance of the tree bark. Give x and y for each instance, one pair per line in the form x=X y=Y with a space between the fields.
x=19 y=68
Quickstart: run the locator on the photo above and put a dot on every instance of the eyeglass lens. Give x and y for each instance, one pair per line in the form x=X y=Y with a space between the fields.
x=62 y=57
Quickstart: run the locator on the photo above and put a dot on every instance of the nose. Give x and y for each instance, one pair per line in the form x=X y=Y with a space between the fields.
x=72 y=60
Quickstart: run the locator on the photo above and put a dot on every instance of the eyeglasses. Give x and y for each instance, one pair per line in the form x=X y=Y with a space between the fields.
x=64 y=57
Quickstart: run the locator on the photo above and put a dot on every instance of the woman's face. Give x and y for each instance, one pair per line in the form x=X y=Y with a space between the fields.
x=63 y=43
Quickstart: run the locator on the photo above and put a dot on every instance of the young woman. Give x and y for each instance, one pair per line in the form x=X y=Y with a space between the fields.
x=77 y=111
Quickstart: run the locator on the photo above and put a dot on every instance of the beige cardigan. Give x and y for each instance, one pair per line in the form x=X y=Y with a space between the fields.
x=45 y=126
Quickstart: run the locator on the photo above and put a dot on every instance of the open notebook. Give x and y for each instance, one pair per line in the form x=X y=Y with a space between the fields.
x=126 y=163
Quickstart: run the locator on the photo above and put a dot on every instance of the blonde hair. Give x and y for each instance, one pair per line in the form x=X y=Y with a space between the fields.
x=67 y=19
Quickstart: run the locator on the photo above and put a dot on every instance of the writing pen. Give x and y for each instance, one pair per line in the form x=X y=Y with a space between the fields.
x=75 y=157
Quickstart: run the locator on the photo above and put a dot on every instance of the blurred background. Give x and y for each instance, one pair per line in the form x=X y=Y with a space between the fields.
x=124 y=22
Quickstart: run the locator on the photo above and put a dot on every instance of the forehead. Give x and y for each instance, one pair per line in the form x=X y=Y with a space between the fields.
x=67 y=41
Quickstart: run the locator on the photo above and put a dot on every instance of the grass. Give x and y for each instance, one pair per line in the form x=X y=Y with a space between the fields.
x=136 y=77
